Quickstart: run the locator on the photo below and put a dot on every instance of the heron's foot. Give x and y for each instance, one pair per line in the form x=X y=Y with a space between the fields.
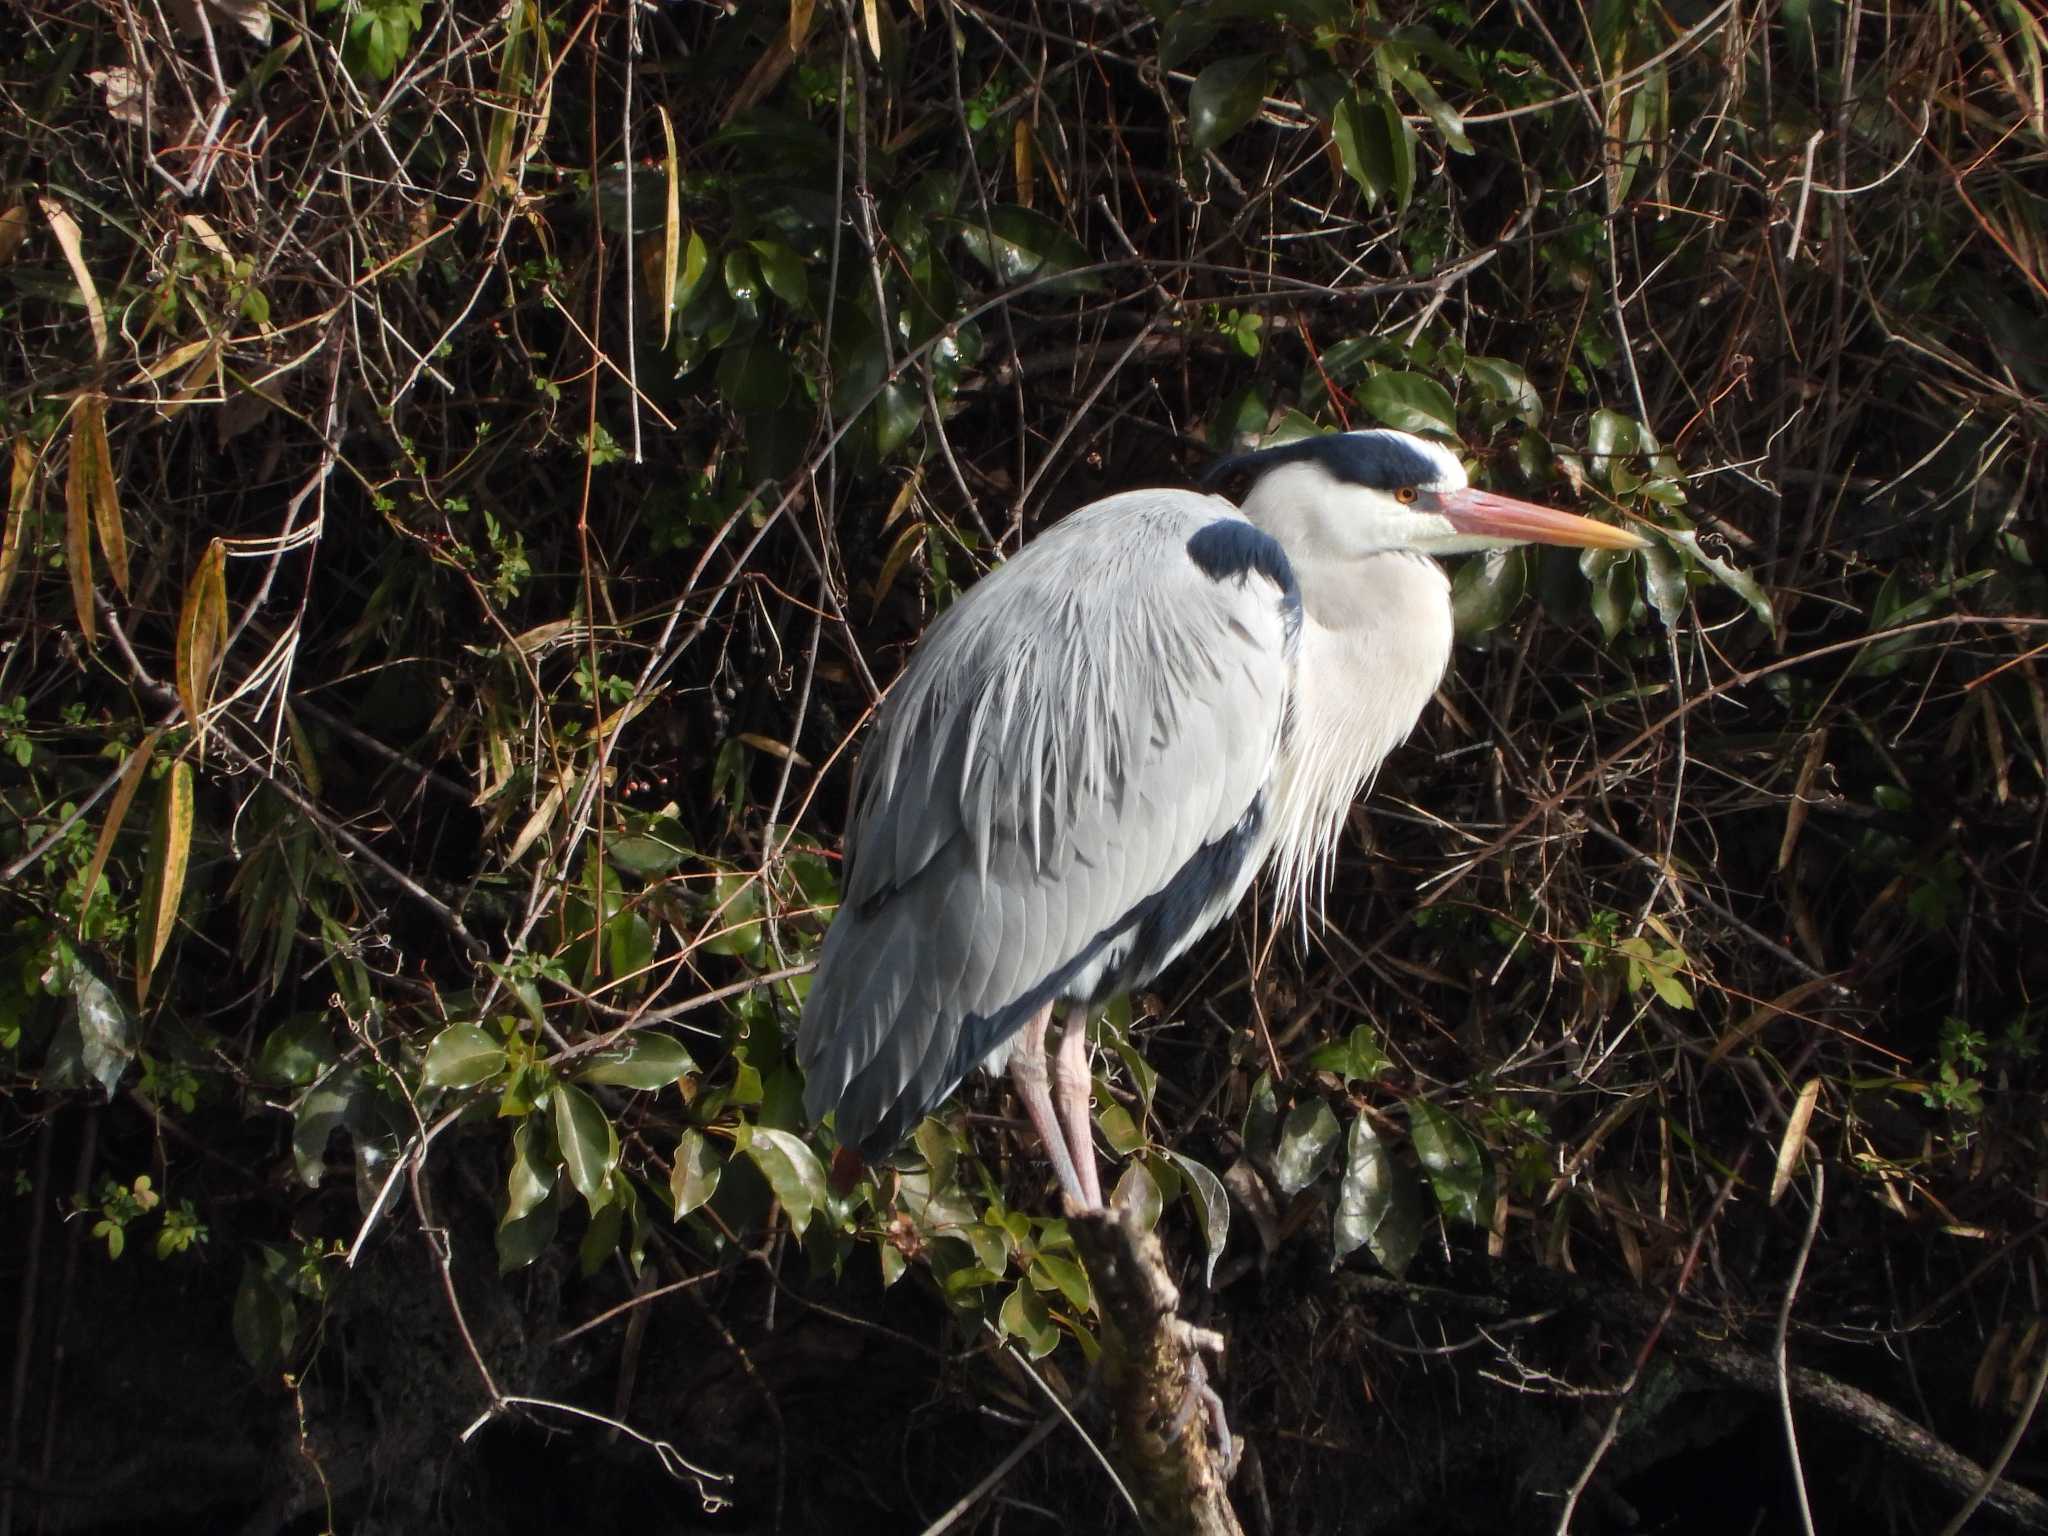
x=1203 y=1400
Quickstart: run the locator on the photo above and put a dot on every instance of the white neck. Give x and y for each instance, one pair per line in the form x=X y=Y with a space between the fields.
x=1375 y=640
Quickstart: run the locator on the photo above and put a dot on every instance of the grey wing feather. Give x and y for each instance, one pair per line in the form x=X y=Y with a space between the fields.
x=1073 y=739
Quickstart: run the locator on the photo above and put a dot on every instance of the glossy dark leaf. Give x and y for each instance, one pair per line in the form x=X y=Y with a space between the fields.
x=589 y=1142
x=297 y=1051
x=462 y=1056
x=1455 y=1162
x=1017 y=245
x=1486 y=590
x=321 y=1113
x=1379 y=1204
x=96 y=1042
x=1212 y=1208
x=1307 y=1138
x=525 y=1239
x=646 y=1059
x=1024 y=1318
x=1411 y=402
x=1067 y=1277
x=693 y=1179
x=1740 y=582
x=264 y=1318
x=792 y=1170
x=1138 y=1192
x=536 y=1167
x=1224 y=97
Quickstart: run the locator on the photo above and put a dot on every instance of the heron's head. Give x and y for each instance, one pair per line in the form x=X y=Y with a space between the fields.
x=1350 y=494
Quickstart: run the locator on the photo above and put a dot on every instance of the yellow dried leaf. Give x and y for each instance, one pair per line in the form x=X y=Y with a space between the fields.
x=774 y=748
x=207 y=235
x=537 y=823
x=170 y=847
x=89 y=451
x=20 y=492
x=907 y=543
x=117 y=813
x=202 y=635
x=1021 y=157
x=72 y=243
x=871 y=15
x=78 y=537
x=799 y=23
x=13 y=230
x=672 y=225
x=1793 y=1144
x=302 y=750
x=170 y=362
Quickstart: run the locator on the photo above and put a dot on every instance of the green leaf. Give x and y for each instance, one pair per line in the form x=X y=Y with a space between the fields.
x=1455 y=1161
x=1261 y=1130
x=296 y=1052
x=792 y=1170
x=1357 y=1058
x=535 y=1168
x=1378 y=1203
x=1410 y=402
x=264 y=1318
x=522 y=1241
x=648 y=858
x=754 y=376
x=1360 y=129
x=1499 y=380
x=1608 y=436
x=1401 y=144
x=1664 y=581
x=629 y=946
x=1740 y=582
x=1067 y=1277
x=462 y=1056
x=96 y=1042
x=696 y=260
x=1307 y=1138
x=1612 y=588
x=737 y=931
x=1486 y=589
x=1212 y=1208
x=589 y=1143
x=1401 y=66
x=601 y=1237
x=1225 y=97
x=784 y=271
x=1017 y=245
x=694 y=1178
x=645 y=1060
x=321 y=1113
x=1138 y=1192
x=1024 y=1318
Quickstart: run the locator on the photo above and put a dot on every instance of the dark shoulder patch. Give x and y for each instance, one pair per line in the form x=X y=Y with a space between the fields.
x=1230 y=546
x=1384 y=461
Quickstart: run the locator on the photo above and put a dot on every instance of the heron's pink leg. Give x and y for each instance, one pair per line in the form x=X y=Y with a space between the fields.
x=1071 y=1081
x=1027 y=1072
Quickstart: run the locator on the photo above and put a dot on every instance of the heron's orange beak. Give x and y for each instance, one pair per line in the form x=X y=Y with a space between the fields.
x=1486 y=515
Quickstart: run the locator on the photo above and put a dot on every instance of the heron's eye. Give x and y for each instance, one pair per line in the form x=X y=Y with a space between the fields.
x=1406 y=495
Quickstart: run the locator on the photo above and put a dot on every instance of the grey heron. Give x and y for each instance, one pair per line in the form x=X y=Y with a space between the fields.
x=1093 y=753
